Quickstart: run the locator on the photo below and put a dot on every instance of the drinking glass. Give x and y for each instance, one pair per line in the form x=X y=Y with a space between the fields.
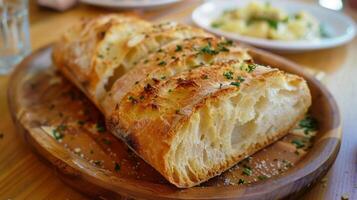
x=14 y=33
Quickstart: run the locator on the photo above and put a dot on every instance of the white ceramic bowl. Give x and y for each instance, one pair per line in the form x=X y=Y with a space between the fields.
x=341 y=28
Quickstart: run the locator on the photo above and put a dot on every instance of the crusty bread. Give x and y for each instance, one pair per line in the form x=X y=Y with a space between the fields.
x=95 y=53
x=189 y=104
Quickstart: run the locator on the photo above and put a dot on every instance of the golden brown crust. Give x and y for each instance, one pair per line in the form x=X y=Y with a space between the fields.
x=189 y=104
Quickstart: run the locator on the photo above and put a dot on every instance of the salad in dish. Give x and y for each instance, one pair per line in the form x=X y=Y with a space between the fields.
x=262 y=20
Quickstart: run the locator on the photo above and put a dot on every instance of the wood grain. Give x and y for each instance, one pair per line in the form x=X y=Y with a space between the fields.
x=40 y=98
x=23 y=176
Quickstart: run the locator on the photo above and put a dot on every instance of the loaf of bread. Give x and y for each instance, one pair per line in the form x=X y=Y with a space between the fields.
x=190 y=104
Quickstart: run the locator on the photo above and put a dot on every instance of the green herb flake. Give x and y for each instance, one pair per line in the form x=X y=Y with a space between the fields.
x=100 y=128
x=178 y=48
x=117 y=167
x=298 y=143
x=308 y=124
x=247 y=171
x=132 y=100
x=228 y=75
x=262 y=177
x=241 y=181
x=106 y=141
x=273 y=23
x=237 y=84
x=287 y=163
x=240 y=79
x=163 y=77
x=208 y=50
x=162 y=63
x=57 y=135
x=251 y=68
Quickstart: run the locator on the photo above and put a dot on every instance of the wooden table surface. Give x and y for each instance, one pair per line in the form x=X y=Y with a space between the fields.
x=24 y=176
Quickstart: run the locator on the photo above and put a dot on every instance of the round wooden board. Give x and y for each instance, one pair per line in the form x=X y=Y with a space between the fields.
x=96 y=163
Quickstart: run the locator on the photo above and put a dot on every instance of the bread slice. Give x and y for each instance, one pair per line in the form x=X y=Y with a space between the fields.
x=96 y=52
x=191 y=105
x=199 y=123
x=174 y=58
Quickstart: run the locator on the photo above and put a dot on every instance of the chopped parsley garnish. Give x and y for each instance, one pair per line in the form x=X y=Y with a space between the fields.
x=298 y=143
x=178 y=48
x=226 y=43
x=57 y=135
x=271 y=22
x=235 y=84
x=240 y=79
x=170 y=90
x=308 y=124
x=262 y=177
x=241 y=181
x=117 y=167
x=162 y=63
x=100 y=56
x=251 y=67
x=100 y=127
x=132 y=100
x=287 y=163
x=228 y=75
x=106 y=141
x=208 y=50
x=163 y=77
x=247 y=171
x=222 y=45
x=58 y=132
x=160 y=50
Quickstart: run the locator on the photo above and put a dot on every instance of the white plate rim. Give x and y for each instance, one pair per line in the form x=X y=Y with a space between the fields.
x=129 y=4
x=282 y=45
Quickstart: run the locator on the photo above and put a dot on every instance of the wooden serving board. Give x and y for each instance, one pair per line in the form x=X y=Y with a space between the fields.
x=68 y=131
